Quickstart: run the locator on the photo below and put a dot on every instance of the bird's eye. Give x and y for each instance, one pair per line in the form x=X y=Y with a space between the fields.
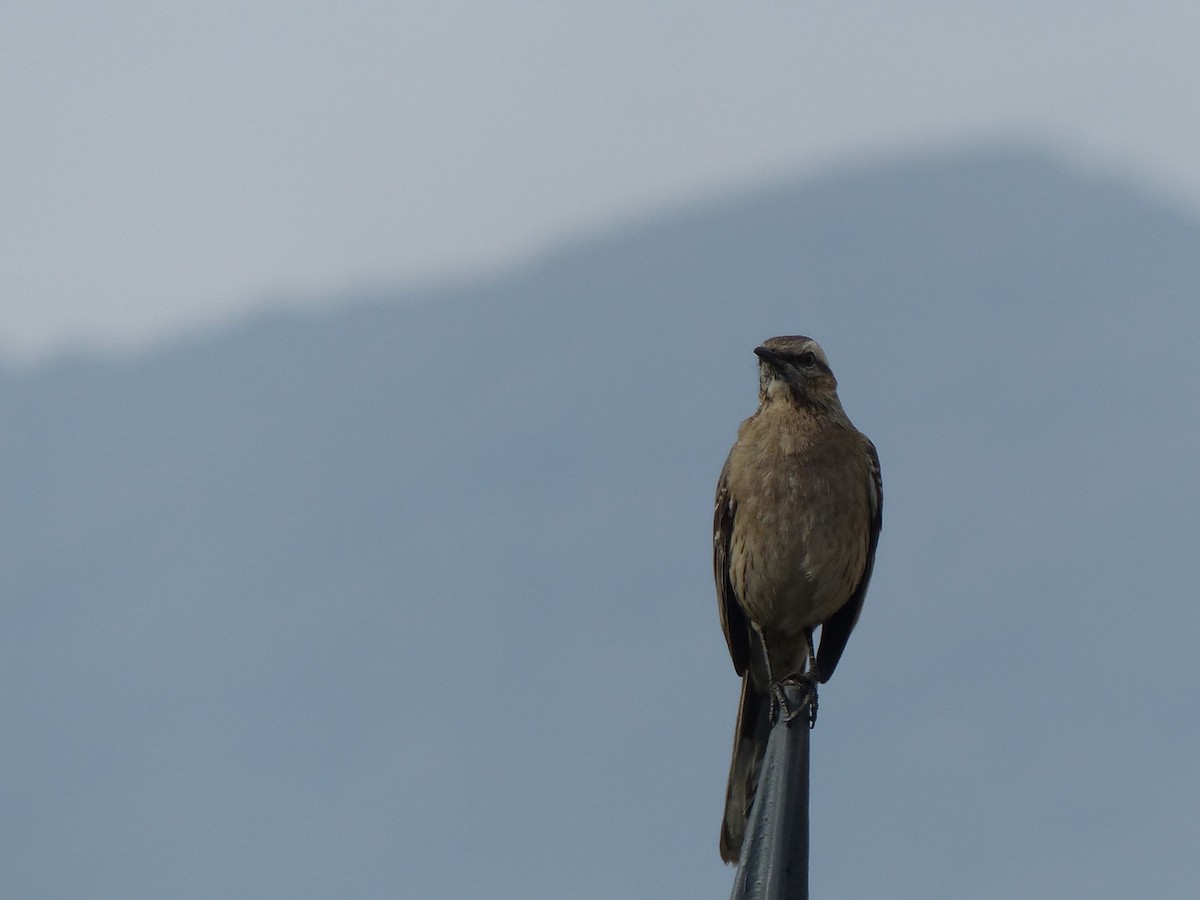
x=807 y=358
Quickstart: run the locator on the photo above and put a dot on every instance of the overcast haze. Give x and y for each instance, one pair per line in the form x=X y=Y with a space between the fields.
x=164 y=166
x=408 y=593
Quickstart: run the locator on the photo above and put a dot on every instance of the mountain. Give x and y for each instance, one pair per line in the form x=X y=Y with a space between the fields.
x=413 y=597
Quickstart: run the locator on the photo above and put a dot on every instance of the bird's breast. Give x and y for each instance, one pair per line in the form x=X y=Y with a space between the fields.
x=799 y=533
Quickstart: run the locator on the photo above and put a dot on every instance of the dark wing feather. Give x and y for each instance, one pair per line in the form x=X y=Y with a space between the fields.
x=733 y=620
x=836 y=629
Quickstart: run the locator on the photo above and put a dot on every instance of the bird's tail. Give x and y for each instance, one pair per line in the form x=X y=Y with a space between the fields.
x=749 y=747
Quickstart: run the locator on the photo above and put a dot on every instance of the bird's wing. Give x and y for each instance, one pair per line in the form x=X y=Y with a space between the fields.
x=836 y=629
x=733 y=620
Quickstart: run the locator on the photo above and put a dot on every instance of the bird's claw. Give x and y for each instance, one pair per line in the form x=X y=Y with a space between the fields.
x=781 y=709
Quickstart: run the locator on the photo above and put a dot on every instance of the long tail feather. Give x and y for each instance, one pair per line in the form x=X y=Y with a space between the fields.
x=749 y=747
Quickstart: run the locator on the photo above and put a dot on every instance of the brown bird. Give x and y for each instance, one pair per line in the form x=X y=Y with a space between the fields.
x=798 y=511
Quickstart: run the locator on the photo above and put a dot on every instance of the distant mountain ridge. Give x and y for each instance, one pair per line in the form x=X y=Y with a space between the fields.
x=412 y=597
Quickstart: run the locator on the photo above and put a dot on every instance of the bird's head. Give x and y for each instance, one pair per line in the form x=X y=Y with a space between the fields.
x=794 y=369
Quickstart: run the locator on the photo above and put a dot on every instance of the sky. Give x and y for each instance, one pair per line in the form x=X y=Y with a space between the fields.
x=164 y=168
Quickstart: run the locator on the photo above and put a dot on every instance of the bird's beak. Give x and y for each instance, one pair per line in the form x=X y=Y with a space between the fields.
x=769 y=356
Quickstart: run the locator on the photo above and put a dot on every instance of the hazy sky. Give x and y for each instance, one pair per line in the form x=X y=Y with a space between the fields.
x=164 y=166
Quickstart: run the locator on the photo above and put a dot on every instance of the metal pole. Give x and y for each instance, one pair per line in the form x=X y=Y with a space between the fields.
x=774 y=858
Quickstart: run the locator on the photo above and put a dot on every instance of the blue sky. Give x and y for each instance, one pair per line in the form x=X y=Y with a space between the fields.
x=165 y=167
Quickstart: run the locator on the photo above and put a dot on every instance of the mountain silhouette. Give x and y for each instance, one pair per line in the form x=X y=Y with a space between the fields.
x=412 y=597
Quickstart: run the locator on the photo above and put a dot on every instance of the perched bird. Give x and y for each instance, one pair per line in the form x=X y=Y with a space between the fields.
x=798 y=511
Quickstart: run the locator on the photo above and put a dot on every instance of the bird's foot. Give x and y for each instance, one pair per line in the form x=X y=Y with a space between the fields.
x=782 y=709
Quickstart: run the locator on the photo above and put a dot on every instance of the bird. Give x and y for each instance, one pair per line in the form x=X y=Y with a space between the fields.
x=798 y=511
